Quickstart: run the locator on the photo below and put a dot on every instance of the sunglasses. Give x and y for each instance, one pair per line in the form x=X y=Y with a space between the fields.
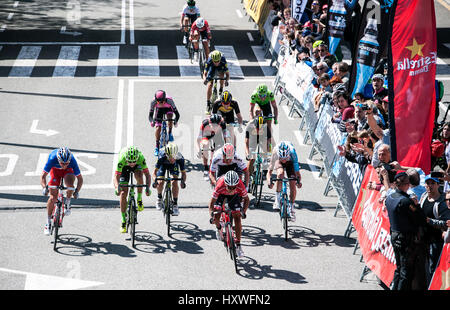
x=447 y=199
x=322 y=50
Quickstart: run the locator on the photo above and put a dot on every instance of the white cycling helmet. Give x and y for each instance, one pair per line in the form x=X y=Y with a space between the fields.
x=284 y=150
x=64 y=154
x=231 y=178
x=200 y=22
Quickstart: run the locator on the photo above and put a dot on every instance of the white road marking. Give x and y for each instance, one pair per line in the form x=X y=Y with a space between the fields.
x=131 y=17
x=108 y=61
x=148 y=61
x=67 y=62
x=25 y=62
x=239 y=13
x=186 y=67
x=264 y=62
x=232 y=60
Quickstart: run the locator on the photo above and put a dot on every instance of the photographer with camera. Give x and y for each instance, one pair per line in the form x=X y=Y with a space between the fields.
x=382 y=134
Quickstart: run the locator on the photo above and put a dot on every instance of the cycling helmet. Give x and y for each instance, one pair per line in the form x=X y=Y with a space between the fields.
x=171 y=150
x=284 y=150
x=63 y=154
x=160 y=96
x=190 y=2
x=215 y=118
x=231 y=178
x=216 y=55
x=228 y=151
x=200 y=22
x=226 y=97
x=262 y=90
x=132 y=154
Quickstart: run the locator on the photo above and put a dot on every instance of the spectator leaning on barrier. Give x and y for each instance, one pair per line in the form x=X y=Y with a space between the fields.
x=403 y=230
x=437 y=212
x=346 y=111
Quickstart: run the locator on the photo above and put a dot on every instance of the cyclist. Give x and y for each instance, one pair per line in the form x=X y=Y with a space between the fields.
x=227 y=107
x=284 y=158
x=61 y=164
x=257 y=133
x=188 y=16
x=213 y=134
x=130 y=160
x=163 y=105
x=169 y=160
x=224 y=160
x=265 y=99
x=216 y=65
x=200 y=29
x=231 y=188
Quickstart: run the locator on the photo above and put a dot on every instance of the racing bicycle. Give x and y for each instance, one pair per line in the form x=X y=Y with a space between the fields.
x=164 y=137
x=214 y=94
x=131 y=220
x=58 y=212
x=257 y=177
x=227 y=231
x=285 y=209
x=168 y=198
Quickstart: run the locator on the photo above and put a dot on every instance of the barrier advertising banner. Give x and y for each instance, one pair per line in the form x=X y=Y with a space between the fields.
x=412 y=58
x=441 y=277
x=372 y=226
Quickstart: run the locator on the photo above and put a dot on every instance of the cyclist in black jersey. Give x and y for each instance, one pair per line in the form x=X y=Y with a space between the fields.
x=227 y=107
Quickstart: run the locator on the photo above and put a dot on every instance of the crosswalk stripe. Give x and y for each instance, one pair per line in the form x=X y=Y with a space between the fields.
x=263 y=62
x=186 y=67
x=66 y=65
x=108 y=61
x=232 y=60
x=25 y=62
x=148 y=60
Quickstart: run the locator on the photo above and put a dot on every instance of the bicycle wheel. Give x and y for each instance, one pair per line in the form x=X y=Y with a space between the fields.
x=285 y=216
x=56 y=219
x=167 y=209
x=214 y=92
x=201 y=61
x=228 y=236
x=133 y=220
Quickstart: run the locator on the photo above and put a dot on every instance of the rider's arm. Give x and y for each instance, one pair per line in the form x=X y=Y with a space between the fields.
x=79 y=182
x=44 y=179
x=152 y=110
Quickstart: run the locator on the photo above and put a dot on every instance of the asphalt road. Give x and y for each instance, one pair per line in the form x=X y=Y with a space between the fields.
x=97 y=103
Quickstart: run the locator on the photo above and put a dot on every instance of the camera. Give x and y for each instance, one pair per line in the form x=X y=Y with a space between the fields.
x=363 y=106
x=388 y=167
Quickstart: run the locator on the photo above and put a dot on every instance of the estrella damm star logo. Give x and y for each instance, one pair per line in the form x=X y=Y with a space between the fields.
x=415 y=48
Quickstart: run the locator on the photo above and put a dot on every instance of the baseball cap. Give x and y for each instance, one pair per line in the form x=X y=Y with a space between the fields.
x=429 y=177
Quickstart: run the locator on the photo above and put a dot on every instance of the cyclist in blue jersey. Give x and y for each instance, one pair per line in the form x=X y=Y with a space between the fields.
x=284 y=158
x=216 y=65
x=61 y=164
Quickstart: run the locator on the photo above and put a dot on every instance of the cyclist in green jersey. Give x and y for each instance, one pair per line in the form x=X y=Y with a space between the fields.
x=131 y=160
x=265 y=99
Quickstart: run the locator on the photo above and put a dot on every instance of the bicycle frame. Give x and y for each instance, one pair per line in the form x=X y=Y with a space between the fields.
x=284 y=214
x=168 y=198
x=164 y=137
x=132 y=208
x=226 y=223
x=58 y=212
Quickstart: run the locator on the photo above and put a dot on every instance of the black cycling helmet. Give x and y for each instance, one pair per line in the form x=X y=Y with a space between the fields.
x=190 y=2
x=226 y=97
x=215 y=118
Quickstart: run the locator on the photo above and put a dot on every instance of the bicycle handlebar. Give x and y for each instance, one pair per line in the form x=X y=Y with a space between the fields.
x=283 y=180
x=133 y=185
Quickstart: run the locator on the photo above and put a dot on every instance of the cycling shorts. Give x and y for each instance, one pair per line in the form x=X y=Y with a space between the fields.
x=287 y=166
x=173 y=170
x=56 y=175
x=234 y=202
x=160 y=114
x=125 y=174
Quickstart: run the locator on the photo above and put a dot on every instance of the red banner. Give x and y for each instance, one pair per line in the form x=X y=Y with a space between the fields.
x=441 y=277
x=372 y=225
x=412 y=90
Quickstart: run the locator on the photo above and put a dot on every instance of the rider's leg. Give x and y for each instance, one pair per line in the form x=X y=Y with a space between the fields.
x=157 y=134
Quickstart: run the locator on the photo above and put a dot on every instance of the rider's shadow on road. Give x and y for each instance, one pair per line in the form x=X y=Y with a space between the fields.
x=183 y=238
x=79 y=245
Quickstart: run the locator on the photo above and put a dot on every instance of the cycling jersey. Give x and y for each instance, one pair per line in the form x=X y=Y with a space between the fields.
x=211 y=69
x=167 y=107
x=255 y=99
x=227 y=111
x=209 y=130
x=219 y=168
x=163 y=164
x=275 y=160
x=122 y=162
x=203 y=30
x=53 y=163
x=221 y=189
x=192 y=12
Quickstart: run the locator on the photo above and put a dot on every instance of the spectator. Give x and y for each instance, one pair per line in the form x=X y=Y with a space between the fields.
x=360 y=115
x=415 y=188
x=442 y=161
x=342 y=70
x=325 y=55
x=382 y=134
x=403 y=230
x=324 y=87
x=436 y=211
x=322 y=68
x=308 y=43
x=346 y=111
x=384 y=169
x=379 y=92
